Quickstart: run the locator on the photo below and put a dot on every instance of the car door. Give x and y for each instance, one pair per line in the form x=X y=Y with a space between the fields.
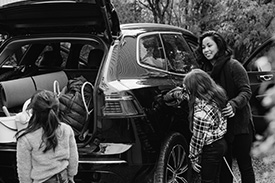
x=261 y=75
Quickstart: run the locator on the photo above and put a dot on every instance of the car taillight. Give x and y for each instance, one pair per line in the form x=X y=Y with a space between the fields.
x=120 y=105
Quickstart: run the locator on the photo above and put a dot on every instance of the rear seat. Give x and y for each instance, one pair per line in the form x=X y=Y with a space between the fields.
x=14 y=93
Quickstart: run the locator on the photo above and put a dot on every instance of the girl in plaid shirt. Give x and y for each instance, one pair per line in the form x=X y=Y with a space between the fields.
x=207 y=123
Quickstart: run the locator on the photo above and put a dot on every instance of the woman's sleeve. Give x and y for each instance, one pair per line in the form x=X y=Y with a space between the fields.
x=241 y=82
x=73 y=160
x=24 y=165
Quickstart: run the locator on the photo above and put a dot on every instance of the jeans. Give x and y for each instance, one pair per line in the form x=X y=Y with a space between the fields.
x=240 y=149
x=212 y=158
x=61 y=177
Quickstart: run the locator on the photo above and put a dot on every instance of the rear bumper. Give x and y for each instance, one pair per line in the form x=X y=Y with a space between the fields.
x=108 y=165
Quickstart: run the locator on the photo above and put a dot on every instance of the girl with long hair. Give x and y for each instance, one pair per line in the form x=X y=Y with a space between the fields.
x=207 y=123
x=46 y=149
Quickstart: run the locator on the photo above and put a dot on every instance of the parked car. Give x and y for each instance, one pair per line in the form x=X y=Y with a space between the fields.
x=132 y=136
x=261 y=75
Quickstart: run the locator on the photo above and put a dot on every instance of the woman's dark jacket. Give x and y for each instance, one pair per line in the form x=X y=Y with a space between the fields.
x=231 y=75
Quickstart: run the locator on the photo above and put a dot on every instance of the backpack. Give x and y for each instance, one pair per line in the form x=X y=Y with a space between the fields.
x=76 y=104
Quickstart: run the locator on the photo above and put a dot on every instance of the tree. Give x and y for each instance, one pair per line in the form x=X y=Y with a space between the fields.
x=246 y=24
x=159 y=8
x=128 y=11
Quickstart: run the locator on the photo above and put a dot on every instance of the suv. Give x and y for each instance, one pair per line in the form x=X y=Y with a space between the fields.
x=132 y=135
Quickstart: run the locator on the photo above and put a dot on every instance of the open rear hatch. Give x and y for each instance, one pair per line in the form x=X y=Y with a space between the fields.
x=55 y=16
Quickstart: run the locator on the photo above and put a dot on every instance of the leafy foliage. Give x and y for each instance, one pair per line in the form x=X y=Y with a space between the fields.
x=245 y=25
x=128 y=11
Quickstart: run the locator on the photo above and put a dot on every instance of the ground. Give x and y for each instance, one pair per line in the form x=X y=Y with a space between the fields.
x=264 y=170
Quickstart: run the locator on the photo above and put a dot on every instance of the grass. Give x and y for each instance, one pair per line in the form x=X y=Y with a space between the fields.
x=263 y=168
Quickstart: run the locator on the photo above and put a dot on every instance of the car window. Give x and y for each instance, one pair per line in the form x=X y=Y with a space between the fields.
x=3 y=37
x=179 y=56
x=33 y=55
x=51 y=56
x=91 y=57
x=151 y=51
x=192 y=42
x=263 y=59
x=13 y=58
x=85 y=52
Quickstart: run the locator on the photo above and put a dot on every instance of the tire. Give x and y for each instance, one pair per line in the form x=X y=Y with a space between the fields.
x=172 y=165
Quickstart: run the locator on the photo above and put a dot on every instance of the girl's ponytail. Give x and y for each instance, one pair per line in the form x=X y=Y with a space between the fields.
x=44 y=105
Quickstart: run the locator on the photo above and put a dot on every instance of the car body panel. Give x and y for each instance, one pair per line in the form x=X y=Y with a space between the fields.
x=261 y=76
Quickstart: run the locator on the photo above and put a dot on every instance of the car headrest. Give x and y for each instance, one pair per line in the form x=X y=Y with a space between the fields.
x=95 y=58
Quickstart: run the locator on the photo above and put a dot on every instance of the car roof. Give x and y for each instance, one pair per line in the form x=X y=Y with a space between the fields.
x=53 y=16
x=138 y=28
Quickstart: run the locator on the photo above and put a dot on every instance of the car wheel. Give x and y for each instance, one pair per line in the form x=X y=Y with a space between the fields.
x=172 y=165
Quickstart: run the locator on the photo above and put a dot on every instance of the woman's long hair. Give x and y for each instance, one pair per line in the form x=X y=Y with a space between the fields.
x=200 y=85
x=44 y=105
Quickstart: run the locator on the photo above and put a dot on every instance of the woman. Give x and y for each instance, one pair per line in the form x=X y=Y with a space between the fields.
x=46 y=149
x=216 y=58
x=207 y=123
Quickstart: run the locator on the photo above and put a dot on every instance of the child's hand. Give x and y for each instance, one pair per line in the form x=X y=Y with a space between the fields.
x=172 y=96
x=228 y=111
x=196 y=167
x=175 y=96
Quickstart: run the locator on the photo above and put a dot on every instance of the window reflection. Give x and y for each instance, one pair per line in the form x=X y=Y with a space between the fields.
x=151 y=52
x=178 y=54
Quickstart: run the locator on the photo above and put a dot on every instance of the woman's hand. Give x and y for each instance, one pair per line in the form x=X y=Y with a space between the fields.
x=196 y=167
x=228 y=111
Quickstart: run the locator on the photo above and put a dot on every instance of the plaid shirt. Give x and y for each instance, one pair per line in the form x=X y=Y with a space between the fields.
x=209 y=125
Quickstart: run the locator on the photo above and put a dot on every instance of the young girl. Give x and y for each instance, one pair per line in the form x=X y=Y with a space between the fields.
x=46 y=149
x=207 y=123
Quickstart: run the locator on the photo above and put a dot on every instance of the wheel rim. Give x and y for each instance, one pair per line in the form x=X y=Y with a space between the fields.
x=177 y=165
